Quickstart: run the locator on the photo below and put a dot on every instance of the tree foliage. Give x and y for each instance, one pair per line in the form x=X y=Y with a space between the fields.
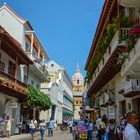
x=37 y=98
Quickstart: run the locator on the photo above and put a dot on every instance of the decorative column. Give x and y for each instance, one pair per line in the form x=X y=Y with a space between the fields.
x=32 y=41
x=16 y=70
x=39 y=52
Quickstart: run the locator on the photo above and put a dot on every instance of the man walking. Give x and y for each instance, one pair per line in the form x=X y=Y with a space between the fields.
x=50 y=127
x=130 y=132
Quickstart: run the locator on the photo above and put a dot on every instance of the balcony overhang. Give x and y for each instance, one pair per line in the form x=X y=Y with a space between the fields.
x=38 y=73
x=36 y=43
x=131 y=93
x=107 y=73
x=108 y=8
x=13 y=92
x=129 y=3
x=12 y=47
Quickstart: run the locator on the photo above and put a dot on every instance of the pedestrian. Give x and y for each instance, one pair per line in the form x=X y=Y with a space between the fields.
x=42 y=127
x=90 y=129
x=8 y=126
x=102 y=130
x=32 y=129
x=98 y=127
x=81 y=122
x=74 y=131
x=130 y=131
x=35 y=123
x=112 y=130
x=105 y=119
x=123 y=122
x=50 y=127
x=70 y=123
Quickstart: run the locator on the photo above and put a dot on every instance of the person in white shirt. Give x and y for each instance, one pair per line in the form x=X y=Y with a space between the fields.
x=32 y=129
x=70 y=123
x=130 y=132
x=42 y=127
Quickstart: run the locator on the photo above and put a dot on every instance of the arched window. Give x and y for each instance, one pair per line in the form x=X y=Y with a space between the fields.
x=78 y=82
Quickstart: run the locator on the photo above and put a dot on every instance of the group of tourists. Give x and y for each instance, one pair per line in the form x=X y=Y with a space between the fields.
x=41 y=126
x=107 y=129
x=33 y=126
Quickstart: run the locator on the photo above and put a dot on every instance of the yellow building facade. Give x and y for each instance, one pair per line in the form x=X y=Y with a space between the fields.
x=78 y=89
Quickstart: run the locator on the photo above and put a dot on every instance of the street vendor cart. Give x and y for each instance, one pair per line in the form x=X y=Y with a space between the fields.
x=81 y=133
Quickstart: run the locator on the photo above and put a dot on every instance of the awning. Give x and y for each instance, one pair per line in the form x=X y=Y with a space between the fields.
x=68 y=113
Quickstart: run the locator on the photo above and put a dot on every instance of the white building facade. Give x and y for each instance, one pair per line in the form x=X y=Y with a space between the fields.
x=114 y=83
x=59 y=90
x=23 y=33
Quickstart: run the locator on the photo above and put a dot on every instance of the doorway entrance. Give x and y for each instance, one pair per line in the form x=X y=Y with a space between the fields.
x=122 y=107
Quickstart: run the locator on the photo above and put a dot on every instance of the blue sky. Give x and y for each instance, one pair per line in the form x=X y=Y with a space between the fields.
x=65 y=27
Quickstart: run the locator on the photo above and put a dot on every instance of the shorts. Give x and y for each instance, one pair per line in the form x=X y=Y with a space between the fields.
x=32 y=131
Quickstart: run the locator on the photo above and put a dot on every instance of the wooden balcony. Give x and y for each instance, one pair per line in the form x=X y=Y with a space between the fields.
x=12 y=87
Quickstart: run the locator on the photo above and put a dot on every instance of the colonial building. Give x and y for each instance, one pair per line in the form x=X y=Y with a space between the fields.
x=78 y=89
x=21 y=30
x=13 y=91
x=113 y=61
x=59 y=90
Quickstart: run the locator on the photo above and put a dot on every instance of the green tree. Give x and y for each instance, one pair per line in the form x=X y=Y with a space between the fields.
x=37 y=98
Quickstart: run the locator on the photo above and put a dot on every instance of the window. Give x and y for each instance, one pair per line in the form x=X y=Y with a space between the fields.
x=2 y=65
x=28 y=47
x=32 y=82
x=25 y=79
x=52 y=65
x=78 y=82
x=37 y=86
x=11 y=69
x=131 y=12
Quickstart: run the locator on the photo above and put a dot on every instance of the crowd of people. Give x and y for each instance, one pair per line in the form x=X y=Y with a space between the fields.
x=107 y=129
x=32 y=126
x=41 y=126
x=102 y=128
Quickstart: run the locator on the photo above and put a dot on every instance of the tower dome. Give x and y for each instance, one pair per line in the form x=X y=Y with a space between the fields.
x=77 y=77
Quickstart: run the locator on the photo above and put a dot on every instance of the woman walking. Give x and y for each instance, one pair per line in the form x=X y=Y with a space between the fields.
x=32 y=129
x=42 y=127
x=8 y=126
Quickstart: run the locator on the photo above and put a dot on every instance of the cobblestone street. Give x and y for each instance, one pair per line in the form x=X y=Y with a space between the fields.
x=58 y=135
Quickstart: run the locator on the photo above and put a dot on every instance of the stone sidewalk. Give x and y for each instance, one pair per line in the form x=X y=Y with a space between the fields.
x=18 y=137
x=58 y=135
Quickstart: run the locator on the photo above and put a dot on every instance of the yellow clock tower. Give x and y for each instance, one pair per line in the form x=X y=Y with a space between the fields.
x=78 y=89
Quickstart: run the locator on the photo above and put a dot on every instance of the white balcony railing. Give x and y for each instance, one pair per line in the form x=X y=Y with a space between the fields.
x=131 y=85
x=38 y=65
x=132 y=58
x=113 y=45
